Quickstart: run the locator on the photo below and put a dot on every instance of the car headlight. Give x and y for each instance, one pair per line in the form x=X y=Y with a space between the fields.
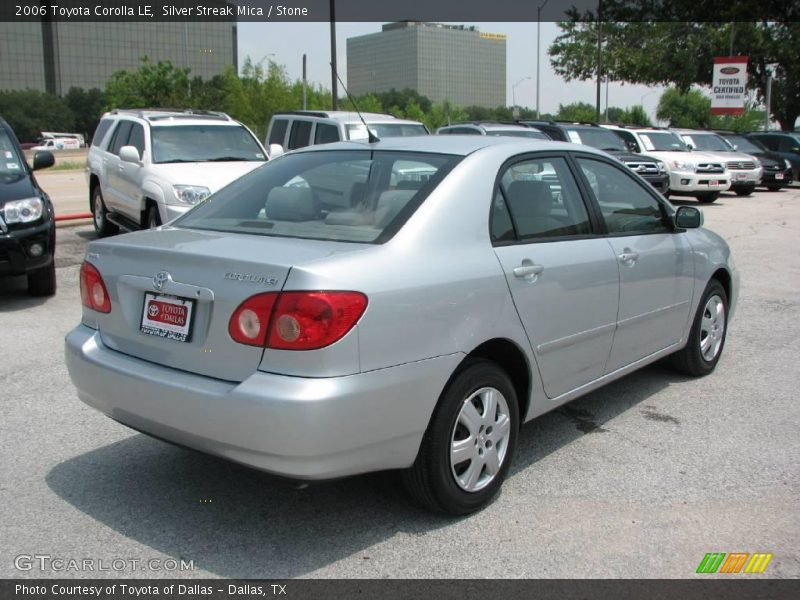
x=23 y=211
x=191 y=194
x=681 y=165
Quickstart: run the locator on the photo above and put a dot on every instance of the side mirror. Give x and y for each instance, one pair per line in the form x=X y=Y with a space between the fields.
x=688 y=217
x=736 y=146
x=130 y=154
x=690 y=146
x=632 y=147
x=43 y=159
x=275 y=150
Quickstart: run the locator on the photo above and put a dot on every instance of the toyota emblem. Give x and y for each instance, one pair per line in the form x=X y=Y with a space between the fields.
x=160 y=280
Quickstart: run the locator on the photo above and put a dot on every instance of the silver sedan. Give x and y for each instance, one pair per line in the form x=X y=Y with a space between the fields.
x=405 y=304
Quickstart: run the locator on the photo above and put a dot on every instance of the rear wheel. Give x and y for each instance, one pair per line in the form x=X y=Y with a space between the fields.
x=707 y=338
x=42 y=282
x=102 y=226
x=708 y=198
x=468 y=447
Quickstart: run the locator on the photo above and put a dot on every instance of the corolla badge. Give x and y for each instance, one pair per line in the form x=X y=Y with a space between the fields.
x=161 y=279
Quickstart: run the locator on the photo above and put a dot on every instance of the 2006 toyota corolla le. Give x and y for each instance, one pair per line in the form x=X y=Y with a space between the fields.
x=400 y=305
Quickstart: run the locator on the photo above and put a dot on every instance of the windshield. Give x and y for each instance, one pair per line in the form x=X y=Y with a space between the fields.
x=745 y=145
x=713 y=143
x=657 y=140
x=349 y=196
x=602 y=139
x=518 y=133
x=10 y=161
x=385 y=130
x=203 y=143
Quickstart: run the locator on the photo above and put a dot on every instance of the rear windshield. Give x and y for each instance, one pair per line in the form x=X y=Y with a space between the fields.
x=341 y=195
x=204 y=143
x=385 y=130
x=11 y=165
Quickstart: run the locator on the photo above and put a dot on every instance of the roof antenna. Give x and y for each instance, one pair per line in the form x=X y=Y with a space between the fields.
x=371 y=137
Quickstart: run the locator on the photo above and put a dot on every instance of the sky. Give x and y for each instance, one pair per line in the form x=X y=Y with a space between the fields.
x=285 y=43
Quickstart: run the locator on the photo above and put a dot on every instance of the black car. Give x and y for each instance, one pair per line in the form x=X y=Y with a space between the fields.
x=591 y=134
x=777 y=170
x=27 y=224
x=785 y=143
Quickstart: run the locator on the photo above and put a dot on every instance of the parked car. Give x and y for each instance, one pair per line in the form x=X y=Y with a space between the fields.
x=52 y=144
x=301 y=128
x=27 y=223
x=777 y=170
x=785 y=143
x=146 y=167
x=652 y=170
x=696 y=174
x=492 y=128
x=745 y=170
x=325 y=316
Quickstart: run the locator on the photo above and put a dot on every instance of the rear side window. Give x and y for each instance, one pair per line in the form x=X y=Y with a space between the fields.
x=300 y=134
x=278 y=131
x=625 y=205
x=326 y=134
x=120 y=136
x=349 y=196
x=542 y=200
x=100 y=132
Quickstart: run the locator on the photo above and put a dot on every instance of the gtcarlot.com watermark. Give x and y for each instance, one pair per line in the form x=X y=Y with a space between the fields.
x=61 y=564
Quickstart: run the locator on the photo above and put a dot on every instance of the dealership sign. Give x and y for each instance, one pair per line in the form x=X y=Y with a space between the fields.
x=728 y=85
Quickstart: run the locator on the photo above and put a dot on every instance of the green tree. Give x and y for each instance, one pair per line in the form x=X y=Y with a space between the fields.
x=690 y=109
x=660 y=51
x=154 y=85
x=87 y=107
x=29 y=112
x=635 y=115
x=577 y=111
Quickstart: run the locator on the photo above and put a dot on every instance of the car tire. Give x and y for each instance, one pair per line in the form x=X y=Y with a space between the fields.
x=707 y=338
x=42 y=282
x=708 y=198
x=152 y=219
x=745 y=191
x=102 y=226
x=774 y=188
x=477 y=419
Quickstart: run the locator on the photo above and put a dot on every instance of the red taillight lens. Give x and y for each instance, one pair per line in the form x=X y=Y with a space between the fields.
x=94 y=294
x=311 y=320
x=250 y=320
x=296 y=320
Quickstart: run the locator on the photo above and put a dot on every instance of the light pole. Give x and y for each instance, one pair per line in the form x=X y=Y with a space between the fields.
x=514 y=90
x=538 y=49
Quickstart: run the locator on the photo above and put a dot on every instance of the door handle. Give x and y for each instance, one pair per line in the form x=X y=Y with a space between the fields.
x=628 y=257
x=528 y=270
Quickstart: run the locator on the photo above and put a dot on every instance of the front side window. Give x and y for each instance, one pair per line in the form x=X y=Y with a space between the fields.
x=100 y=132
x=136 y=138
x=120 y=136
x=542 y=201
x=625 y=205
x=349 y=196
x=326 y=134
x=203 y=143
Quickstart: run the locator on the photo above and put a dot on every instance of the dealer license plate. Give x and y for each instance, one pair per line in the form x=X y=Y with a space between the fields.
x=713 y=182
x=167 y=316
x=778 y=175
x=741 y=176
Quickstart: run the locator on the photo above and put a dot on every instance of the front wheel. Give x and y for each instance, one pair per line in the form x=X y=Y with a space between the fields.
x=102 y=226
x=42 y=282
x=468 y=447
x=708 y=198
x=152 y=218
x=745 y=191
x=707 y=338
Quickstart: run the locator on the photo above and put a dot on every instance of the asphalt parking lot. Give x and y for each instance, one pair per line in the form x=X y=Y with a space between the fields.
x=639 y=479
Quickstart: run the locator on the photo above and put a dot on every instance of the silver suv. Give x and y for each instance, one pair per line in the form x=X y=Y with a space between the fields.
x=146 y=167
x=301 y=128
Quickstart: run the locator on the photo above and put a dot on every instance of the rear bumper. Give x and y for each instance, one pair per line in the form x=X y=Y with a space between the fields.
x=15 y=255
x=293 y=426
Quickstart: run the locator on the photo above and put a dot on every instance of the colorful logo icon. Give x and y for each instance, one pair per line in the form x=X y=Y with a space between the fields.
x=736 y=562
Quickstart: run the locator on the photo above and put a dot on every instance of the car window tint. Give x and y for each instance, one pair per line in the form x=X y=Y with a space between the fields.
x=300 y=135
x=502 y=230
x=543 y=199
x=325 y=133
x=100 y=132
x=120 y=136
x=625 y=205
x=278 y=131
x=770 y=142
x=136 y=138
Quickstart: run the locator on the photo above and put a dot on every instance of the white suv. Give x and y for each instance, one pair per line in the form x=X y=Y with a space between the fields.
x=146 y=167
x=300 y=128
x=696 y=174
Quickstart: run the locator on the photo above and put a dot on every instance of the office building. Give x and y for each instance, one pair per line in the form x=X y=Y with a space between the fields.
x=443 y=62
x=54 y=56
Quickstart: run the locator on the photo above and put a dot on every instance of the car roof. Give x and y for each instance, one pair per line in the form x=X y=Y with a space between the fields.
x=693 y=131
x=346 y=116
x=460 y=145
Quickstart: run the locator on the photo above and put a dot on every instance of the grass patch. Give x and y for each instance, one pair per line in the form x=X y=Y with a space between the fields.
x=68 y=165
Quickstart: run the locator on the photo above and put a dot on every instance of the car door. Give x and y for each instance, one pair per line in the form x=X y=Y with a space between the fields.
x=112 y=165
x=563 y=278
x=655 y=267
x=129 y=183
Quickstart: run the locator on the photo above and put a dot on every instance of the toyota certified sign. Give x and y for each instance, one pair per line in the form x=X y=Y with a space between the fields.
x=729 y=85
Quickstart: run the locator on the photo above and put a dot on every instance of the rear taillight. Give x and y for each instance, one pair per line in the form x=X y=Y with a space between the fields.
x=250 y=320
x=94 y=294
x=296 y=320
